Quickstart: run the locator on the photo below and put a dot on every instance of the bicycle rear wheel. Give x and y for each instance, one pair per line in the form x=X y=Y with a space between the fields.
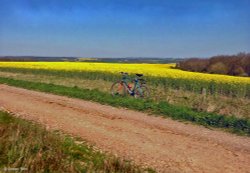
x=142 y=92
x=118 y=89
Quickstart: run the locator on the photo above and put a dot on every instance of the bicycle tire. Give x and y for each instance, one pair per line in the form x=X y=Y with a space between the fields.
x=144 y=93
x=118 y=89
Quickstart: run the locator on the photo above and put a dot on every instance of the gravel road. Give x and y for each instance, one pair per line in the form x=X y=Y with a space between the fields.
x=164 y=144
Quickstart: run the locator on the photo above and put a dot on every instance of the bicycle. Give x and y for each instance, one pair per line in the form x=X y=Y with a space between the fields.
x=123 y=87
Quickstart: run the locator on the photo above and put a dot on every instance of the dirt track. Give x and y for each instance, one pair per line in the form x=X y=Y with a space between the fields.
x=164 y=144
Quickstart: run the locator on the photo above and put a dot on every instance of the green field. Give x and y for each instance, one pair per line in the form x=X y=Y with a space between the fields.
x=161 y=89
x=164 y=75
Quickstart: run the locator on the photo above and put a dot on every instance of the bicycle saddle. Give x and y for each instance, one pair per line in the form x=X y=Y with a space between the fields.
x=139 y=75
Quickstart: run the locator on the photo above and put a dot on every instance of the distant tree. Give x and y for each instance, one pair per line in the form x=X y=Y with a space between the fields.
x=238 y=65
x=194 y=64
x=245 y=62
x=237 y=70
x=218 y=68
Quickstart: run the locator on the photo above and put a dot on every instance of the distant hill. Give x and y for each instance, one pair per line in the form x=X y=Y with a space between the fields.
x=36 y=58
x=87 y=59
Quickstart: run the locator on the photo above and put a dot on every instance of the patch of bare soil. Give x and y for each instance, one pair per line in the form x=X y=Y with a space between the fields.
x=164 y=144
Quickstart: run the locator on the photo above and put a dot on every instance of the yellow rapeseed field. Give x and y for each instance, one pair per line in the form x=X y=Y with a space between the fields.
x=162 y=70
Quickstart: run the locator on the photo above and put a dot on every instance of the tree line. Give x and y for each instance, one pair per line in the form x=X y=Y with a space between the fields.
x=236 y=65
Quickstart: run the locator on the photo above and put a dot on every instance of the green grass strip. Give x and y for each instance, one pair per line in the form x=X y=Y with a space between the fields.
x=28 y=145
x=213 y=88
x=231 y=123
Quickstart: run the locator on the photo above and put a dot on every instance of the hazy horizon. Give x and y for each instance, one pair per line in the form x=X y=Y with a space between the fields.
x=119 y=28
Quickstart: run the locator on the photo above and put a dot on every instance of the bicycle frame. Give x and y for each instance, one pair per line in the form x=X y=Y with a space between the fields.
x=136 y=85
x=138 y=90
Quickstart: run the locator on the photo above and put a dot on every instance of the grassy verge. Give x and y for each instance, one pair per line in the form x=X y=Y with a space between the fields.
x=231 y=123
x=212 y=88
x=227 y=106
x=27 y=145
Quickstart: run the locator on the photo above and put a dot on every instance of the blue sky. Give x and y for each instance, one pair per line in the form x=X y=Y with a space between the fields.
x=124 y=28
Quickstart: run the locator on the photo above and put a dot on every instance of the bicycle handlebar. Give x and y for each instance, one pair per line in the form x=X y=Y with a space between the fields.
x=136 y=79
x=124 y=73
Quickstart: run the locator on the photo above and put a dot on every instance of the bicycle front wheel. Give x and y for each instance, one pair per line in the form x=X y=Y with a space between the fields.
x=118 y=89
x=142 y=92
